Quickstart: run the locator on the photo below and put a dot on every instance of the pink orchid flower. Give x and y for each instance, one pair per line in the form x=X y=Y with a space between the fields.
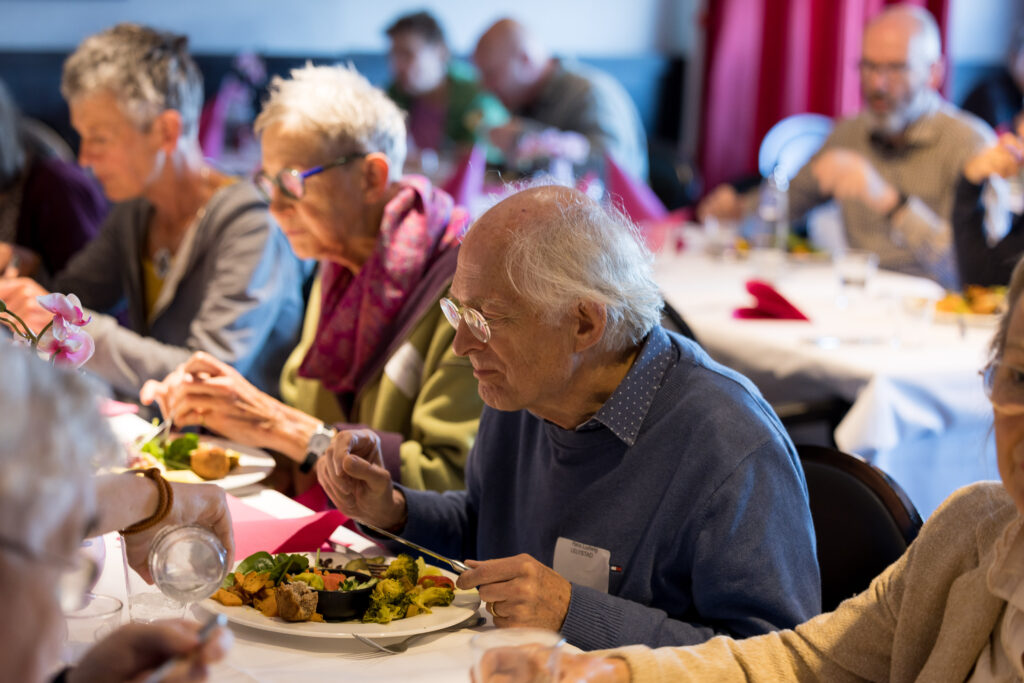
x=67 y=311
x=72 y=351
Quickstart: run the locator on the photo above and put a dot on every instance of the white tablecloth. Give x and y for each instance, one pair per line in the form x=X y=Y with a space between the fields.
x=918 y=407
x=266 y=657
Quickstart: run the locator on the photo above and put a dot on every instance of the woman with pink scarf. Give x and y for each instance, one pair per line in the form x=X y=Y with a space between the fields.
x=375 y=349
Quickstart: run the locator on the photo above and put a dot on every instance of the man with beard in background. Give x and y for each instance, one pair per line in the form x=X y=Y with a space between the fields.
x=893 y=167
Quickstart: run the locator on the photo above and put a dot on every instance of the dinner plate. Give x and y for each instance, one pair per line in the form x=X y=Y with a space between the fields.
x=465 y=605
x=914 y=305
x=254 y=465
x=970 y=319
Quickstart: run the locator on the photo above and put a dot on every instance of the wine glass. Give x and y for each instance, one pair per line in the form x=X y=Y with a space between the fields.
x=188 y=563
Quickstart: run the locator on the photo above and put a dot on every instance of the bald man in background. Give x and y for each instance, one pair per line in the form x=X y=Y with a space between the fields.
x=542 y=91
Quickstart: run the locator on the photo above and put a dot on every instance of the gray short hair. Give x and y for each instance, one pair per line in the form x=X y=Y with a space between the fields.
x=148 y=71
x=589 y=252
x=341 y=107
x=52 y=439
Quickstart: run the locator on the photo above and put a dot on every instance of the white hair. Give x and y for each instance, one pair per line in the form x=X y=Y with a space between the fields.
x=341 y=107
x=52 y=439
x=588 y=252
x=147 y=71
x=926 y=41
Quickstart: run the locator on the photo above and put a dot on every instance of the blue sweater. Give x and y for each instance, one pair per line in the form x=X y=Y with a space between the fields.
x=701 y=502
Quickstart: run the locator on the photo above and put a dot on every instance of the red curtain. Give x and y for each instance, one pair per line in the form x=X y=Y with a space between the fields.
x=767 y=59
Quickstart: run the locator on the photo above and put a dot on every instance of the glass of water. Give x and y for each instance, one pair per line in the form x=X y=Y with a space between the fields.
x=188 y=564
x=854 y=269
x=93 y=620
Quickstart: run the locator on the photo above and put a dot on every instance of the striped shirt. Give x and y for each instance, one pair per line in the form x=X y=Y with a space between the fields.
x=917 y=238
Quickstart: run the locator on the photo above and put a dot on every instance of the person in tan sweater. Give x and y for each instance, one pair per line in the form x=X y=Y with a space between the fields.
x=950 y=609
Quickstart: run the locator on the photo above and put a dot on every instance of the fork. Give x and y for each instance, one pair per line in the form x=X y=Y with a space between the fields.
x=152 y=433
x=403 y=645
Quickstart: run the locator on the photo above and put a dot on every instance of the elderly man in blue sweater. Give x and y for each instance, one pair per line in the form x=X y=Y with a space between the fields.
x=623 y=488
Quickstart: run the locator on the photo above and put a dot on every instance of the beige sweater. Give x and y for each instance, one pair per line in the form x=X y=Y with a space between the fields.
x=926 y=618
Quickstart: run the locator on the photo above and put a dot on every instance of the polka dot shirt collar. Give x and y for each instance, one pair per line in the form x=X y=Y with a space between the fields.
x=626 y=408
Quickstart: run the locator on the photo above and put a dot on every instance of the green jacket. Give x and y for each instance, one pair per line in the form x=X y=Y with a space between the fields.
x=423 y=403
x=471 y=110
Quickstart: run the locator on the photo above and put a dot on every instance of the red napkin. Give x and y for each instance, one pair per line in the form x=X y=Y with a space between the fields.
x=256 y=530
x=467 y=182
x=631 y=195
x=667 y=233
x=111 y=408
x=770 y=304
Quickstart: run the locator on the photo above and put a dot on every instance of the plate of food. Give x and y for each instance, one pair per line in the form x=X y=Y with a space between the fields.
x=192 y=458
x=296 y=594
x=976 y=306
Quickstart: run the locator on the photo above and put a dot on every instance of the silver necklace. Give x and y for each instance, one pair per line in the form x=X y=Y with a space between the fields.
x=162 y=257
x=162 y=262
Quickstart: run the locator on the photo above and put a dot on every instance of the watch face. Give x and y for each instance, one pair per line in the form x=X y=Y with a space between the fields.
x=319 y=442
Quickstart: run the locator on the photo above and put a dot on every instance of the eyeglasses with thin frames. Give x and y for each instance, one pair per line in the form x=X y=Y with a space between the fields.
x=884 y=69
x=474 y=319
x=291 y=181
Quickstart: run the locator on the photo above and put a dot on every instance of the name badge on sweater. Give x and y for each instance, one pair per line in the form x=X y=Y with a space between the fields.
x=405 y=369
x=586 y=565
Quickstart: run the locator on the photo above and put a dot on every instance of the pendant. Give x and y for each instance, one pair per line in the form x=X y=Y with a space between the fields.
x=162 y=262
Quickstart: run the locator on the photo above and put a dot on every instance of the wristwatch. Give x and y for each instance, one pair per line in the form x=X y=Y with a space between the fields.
x=318 y=443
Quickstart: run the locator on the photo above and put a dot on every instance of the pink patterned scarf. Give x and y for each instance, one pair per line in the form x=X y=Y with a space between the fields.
x=419 y=222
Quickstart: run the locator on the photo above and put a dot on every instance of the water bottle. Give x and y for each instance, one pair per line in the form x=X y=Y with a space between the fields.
x=773 y=211
x=771 y=230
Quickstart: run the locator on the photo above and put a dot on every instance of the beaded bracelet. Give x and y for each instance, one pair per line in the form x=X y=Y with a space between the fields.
x=163 y=505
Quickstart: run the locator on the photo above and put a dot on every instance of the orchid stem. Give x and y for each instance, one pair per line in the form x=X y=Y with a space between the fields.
x=43 y=331
x=27 y=334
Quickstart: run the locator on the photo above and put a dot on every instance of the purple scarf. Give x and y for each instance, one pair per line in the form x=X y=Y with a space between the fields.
x=419 y=222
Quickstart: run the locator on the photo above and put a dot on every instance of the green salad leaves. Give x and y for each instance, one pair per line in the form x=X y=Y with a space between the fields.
x=176 y=454
x=278 y=565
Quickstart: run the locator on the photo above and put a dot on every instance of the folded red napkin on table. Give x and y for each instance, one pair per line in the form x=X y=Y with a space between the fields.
x=466 y=184
x=667 y=233
x=111 y=408
x=631 y=195
x=769 y=304
x=255 y=530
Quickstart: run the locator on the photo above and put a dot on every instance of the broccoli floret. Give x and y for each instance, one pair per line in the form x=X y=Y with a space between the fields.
x=435 y=596
x=387 y=601
x=383 y=613
x=389 y=591
x=403 y=567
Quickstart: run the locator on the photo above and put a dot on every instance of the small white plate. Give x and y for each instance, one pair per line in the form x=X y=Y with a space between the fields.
x=254 y=464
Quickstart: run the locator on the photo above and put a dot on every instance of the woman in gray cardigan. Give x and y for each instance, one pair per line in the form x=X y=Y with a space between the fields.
x=950 y=609
x=189 y=258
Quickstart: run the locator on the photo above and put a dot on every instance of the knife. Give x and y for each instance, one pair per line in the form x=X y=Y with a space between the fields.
x=456 y=566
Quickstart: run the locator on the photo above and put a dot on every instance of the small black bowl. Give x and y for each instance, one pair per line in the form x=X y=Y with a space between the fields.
x=344 y=605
